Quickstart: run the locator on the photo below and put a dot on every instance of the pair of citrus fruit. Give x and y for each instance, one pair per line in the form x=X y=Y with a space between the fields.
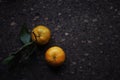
x=55 y=55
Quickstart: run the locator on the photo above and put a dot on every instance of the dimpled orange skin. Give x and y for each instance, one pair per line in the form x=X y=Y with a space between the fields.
x=41 y=34
x=55 y=56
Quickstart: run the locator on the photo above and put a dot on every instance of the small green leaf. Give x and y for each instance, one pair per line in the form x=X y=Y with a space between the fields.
x=8 y=59
x=24 y=34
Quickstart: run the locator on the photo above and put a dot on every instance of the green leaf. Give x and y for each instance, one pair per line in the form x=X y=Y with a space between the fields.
x=8 y=59
x=24 y=34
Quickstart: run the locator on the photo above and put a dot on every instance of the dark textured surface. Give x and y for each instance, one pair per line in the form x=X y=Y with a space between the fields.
x=88 y=31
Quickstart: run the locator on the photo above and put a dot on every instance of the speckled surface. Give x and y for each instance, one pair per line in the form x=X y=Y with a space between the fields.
x=88 y=31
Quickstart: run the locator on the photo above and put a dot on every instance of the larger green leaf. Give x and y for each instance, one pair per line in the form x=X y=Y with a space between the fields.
x=8 y=59
x=24 y=34
x=20 y=55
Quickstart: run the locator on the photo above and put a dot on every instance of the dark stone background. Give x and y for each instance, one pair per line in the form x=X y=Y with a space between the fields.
x=88 y=31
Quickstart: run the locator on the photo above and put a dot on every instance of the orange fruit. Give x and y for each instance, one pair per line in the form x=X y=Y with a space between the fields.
x=41 y=34
x=55 y=56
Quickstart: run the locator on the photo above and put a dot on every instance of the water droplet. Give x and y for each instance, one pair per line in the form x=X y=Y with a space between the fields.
x=74 y=63
x=13 y=23
x=69 y=15
x=62 y=40
x=35 y=18
x=58 y=26
x=96 y=28
x=31 y=9
x=80 y=67
x=66 y=34
x=44 y=6
x=72 y=72
x=100 y=43
x=95 y=20
x=83 y=41
x=116 y=10
x=111 y=7
x=86 y=54
x=56 y=29
x=116 y=36
x=73 y=44
x=83 y=59
x=86 y=21
x=110 y=26
x=59 y=14
x=89 y=41
x=101 y=51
